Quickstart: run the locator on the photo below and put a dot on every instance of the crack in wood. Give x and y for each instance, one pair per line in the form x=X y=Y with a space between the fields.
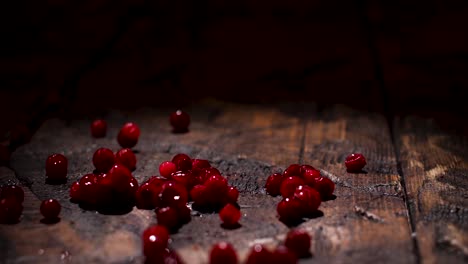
x=367 y=215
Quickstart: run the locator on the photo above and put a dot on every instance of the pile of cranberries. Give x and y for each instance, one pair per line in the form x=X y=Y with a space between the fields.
x=11 y=203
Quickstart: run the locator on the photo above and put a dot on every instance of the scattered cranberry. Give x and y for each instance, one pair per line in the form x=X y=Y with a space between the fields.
x=216 y=190
x=50 y=209
x=324 y=186
x=305 y=168
x=75 y=192
x=259 y=255
x=119 y=178
x=56 y=167
x=232 y=194
x=292 y=170
x=289 y=185
x=144 y=195
x=290 y=210
x=182 y=162
x=198 y=195
x=223 y=253
x=10 y=210
x=127 y=158
x=200 y=164
x=355 y=162
x=89 y=189
x=167 y=168
x=98 y=128
x=103 y=159
x=230 y=215
x=310 y=176
x=180 y=121
x=173 y=194
x=273 y=184
x=284 y=256
x=155 y=241
x=309 y=198
x=12 y=191
x=128 y=135
x=168 y=217
x=298 y=241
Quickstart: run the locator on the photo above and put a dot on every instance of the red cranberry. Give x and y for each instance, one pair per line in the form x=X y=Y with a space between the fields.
x=273 y=184
x=305 y=168
x=216 y=190
x=56 y=167
x=284 y=256
x=4 y=155
x=103 y=159
x=289 y=185
x=259 y=255
x=144 y=195
x=309 y=198
x=324 y=186
x=230 y=215
x=50 y=209
x=173 y=194
x=310 y=176
x=182 y=177
x=128 y=135
x=127 y=158
x=89 y=189
x=292 y=170
x=355 y=162
x=232 y=194
x=183 y=214
x=182 y=162
x=298 y=241
x=98 y=128
x=12 y=191
x=10 y=210
x=129 y=194
x=198 y=195
x=75 y=192
x=200 y=164
x=168 y=217
x=180 y=121
x=167 y=168
x=155 y=241
x=119 y=178
x=223 y=253
x=290 y=210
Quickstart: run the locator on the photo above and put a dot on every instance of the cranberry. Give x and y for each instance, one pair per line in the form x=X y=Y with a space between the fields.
x=305 y=168
x=355 y=162
x=179 y=121
x=128 y=135
x=223 y=253
x=98 y=128
x=4 y=155
x=56 y=167
x=89 y=189
x=230 y=215
x=144 y=195
x=273 y=184
x=183 y=214
x=182 y=162
x=127 y=158
x=167 y=168
x=168 y=217
x=289 y=185
x=324 y=186
x=75 y=192
x=292 y=170
x=310 y=176
x=10 y=210
x=155 y=240
x=284 y=256
x=103 y=159
x=200 y=164
x=182 y=177
x=119 y=178
x=259 y=255
x=232 y=194
x=173 y=194
x=50 y=209
x=12 y=191
x=309 y=198
x=298 y=241
x=198 y=195
x=216 y=190
x=290 y=210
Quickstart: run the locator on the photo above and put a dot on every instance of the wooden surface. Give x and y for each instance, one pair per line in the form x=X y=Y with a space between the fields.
x=414 y=165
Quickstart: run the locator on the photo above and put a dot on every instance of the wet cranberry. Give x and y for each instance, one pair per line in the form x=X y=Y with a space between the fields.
x=230 y=215
x=310 y=176
x=10 y=210
x=198 y=195
x=216 y=190
x=144 y=195
x=292 y=170
x=12 y=191
x=103 y=159
x=289 y=185
x=127 y=158
x=128 y=135
x=167 y=168
x=56 y=167
x=259 y=255
x=50 y=209
x=119 y=178
x=168 y=217
x=4 y=155
x=180 y=121
x=182 y=162
x=155 y=241
x=129 y=194
x=75 y=192
x=200 y=164
x=298 y=241
x=173 y=194
x=98 y=128
x=324 y=186
x=273 y=184
x=355 y=162
x=309 y=198
x=223 y=253
x=232 y=194
x=89 y=189
x=305 y=168
x=182 y=177
x=284 y=256
x=290 y=210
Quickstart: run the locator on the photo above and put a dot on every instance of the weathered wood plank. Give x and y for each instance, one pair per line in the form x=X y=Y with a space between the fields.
x=435 y=166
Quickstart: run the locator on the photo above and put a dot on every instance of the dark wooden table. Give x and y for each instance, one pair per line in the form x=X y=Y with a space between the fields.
x=410 y=205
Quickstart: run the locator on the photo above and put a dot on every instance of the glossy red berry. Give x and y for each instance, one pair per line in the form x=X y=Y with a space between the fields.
x=232 y=194
x=10 y=210
x=305 y=168
x=198 y=195
x=182 y=177
x=355 y=162
x=179 y=121
x=56 y=167
x=89 y=189
x=144 y=195
x=310 y=176
x=309 y=198
x=103 y=159
x=75 y=192
x=223 y=253
x=168 y=217
x=12 y=191
x=119 y=178
x=230 y=215
x=289 y=185
x=284 y=256
x=290 y=210
x=155 y=241
x=216 y=190
x=182 y=162
x=173 y=194
x=298 y=241
x=167 y=168
x=50 y=209
x=273 y=184
x=324 y=186
x=292 y=170
x=127 y=158
x=200 y=164
x=98 y=128
x=128 y=135
x=259 y=255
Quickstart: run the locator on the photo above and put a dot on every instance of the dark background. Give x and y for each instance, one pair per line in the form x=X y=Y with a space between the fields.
x=74 y=58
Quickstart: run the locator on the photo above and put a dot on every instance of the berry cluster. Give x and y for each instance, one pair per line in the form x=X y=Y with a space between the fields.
x=303 y=188
x=11 y=203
